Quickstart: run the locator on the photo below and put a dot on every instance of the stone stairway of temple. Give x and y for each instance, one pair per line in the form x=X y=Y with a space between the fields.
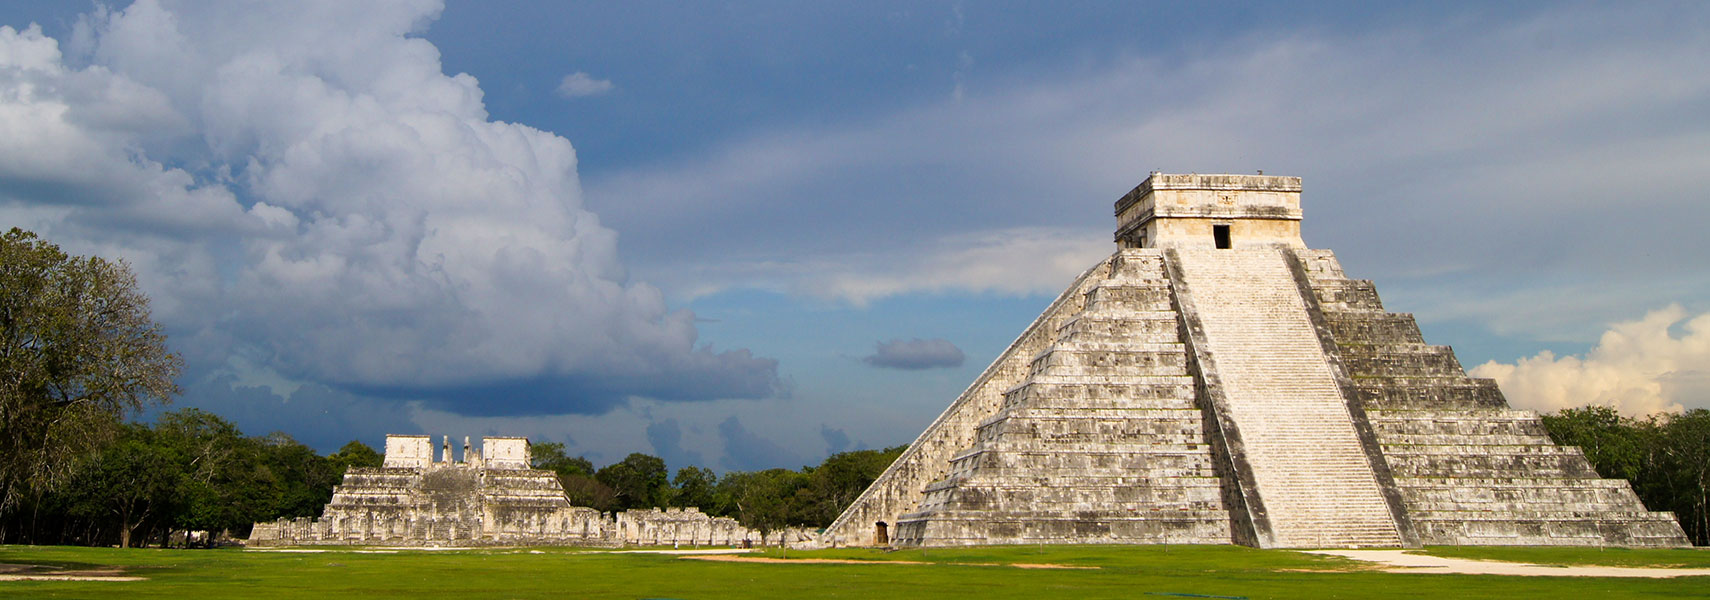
x=1101 y=443
x=1311 y=472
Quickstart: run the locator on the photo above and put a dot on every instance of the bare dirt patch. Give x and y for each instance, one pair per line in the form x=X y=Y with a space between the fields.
x=798 y=561
x=1048 y=566
x=23 y=572
x=1399 y=561
x=847 y=561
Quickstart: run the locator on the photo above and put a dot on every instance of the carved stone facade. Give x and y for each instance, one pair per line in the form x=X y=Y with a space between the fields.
x=492 y=497
x=1215 y=381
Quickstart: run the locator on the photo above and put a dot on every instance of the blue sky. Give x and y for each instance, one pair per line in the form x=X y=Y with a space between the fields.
x=748 y=234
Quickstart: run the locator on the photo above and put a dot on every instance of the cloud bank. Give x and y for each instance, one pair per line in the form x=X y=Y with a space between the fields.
x=1471 y=137
x=1638 y=367
x=301 y=184
x=915 y=355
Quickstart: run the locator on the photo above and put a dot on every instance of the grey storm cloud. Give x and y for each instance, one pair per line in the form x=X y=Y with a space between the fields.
x=915 y=354
x=316 y=415
x=667 y=439
x=745 y=450
x=836 y=440
x=304 y=183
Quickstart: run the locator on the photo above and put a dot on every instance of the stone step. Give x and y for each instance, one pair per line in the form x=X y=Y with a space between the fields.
x=1054 y=479
x=1521 y=465
x=1109 y=372
x=1131 y=295
x=1450 y=393
x=1356 y=329
x=1046 y=387
x=1481 y=450
x=1069 y=497
x=1401 y=361
x=1455 y=439
x=1069 y=451
x=963 y=528
x=1471 y=425
x=1347 y=294
x=1120 y=327
x=1158 y=464
x=1138 y=264
x=1540 y=515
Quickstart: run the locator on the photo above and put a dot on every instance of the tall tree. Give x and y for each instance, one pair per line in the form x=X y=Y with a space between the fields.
x=640 y=481
x=838 y=481
x=77 y=351
x=693 y=487
x=1686 y=443
x=355 y=454
x=131 y=482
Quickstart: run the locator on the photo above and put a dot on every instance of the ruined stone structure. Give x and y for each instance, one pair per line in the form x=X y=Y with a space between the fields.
x=491 y=497
x=1215 y=381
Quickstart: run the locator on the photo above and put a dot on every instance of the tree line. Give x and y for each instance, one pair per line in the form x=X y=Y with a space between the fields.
x=1666 y=457
x=191 y=470
x=188 y=471
x=812 y=496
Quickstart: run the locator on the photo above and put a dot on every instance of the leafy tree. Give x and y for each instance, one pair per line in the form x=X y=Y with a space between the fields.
x=209 y=458
x=765 y=500
x=639 y=481
x=1665 y=457
x=838 y=481
x=550 y=456
x=131 y=482
x=1614 y=444
x=584 y=490
x=77 y=351
x=355 y=454
x=1685 y=440
x=303 y=480
x=693 y=487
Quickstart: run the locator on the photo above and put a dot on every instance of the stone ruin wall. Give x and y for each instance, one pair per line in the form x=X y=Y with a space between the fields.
x=676 y=527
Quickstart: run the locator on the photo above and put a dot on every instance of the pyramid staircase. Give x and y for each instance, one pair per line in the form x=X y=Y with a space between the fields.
x=1314 y=479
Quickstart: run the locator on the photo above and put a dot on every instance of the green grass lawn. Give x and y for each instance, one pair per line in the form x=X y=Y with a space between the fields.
x=1123 y=572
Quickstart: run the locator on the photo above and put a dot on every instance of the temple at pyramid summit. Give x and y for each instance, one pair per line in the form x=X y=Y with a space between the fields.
x=1215 y=381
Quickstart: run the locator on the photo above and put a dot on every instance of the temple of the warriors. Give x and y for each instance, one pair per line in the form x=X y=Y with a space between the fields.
x=1215 y=381
x=491 y=497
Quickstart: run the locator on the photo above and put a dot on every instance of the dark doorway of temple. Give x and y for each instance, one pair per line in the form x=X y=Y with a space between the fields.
x=881 y=533
x=1221 y=234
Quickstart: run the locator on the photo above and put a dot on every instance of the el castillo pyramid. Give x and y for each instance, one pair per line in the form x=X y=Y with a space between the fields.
x=1215 y=381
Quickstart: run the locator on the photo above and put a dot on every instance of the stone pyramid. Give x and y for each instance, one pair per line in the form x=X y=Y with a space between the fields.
x=1214 y=381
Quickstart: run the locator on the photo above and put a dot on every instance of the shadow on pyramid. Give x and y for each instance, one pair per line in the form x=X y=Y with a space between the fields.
x=1215 y=381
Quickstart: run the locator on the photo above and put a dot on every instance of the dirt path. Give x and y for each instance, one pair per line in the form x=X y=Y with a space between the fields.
x=1400 y=561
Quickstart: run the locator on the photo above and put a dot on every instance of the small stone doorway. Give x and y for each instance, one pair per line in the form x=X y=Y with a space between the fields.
x=881 y=533
x=1220 y=234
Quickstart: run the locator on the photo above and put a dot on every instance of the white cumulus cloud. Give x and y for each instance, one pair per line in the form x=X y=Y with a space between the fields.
x=302 y=183
x=1639 y=367
x=578 y=84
